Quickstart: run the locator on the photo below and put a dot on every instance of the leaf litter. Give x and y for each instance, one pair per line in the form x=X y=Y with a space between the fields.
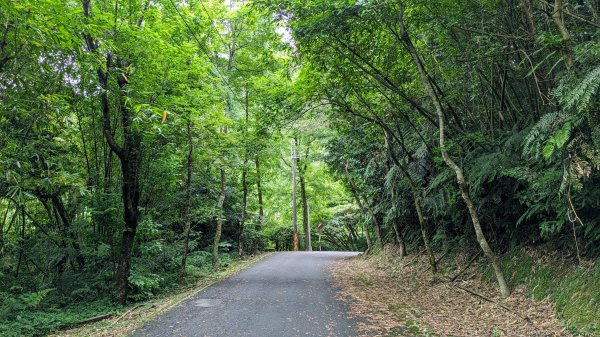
x=397 y=297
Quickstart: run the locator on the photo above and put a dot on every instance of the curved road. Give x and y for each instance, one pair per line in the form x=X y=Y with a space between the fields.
x=287 y=294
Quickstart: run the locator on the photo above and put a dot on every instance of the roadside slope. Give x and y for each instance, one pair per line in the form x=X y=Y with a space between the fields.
x=397 y=296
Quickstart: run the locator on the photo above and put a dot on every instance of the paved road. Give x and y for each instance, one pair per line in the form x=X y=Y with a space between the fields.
x=288 y=294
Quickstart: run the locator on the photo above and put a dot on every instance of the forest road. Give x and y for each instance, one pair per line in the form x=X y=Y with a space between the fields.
x=287 y=294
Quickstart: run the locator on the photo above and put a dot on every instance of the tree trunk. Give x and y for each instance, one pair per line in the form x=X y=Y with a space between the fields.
x=243 y=213
x=399 y=240
x=129 y=153
x=417 y=201
x=129 y=156
x=244 y=184
x=504 y=290
x=21 y=242
x=219 y=228
x=259 y=192
x=131 y=199
x=2 y=224
x=362 y=210
x=188 y=198
x=375 y=222
x=397 y=229
x=423 y=227
x=294 y=208
x=557 y=12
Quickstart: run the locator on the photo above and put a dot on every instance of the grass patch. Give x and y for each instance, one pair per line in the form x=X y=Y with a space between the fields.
x=574 y=290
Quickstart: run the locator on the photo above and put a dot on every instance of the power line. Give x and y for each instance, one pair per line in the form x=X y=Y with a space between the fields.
x=202 y=48
x=212 y=22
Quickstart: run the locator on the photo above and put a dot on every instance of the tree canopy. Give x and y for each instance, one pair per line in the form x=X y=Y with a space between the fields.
x=147 y=143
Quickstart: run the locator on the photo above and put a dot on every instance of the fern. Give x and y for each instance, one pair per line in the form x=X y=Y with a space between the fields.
x=391 y=213
x=577 y=94
x=540 y=132
x=486 y=168
x=439 y=181
x=558 y=139
x=11 y=305
x=392 y=176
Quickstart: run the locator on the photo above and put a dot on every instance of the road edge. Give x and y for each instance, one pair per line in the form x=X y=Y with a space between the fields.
x=133 y=317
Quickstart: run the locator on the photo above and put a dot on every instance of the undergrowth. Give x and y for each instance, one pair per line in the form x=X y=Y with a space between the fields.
x=38 y=313
x=574 y=290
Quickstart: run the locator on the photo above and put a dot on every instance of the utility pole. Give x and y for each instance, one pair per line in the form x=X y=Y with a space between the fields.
x=294 y=157
x=309 y=248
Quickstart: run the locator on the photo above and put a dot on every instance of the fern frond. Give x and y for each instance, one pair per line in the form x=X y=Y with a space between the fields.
x=392 y=176
x=540 y=132
x=578 y=93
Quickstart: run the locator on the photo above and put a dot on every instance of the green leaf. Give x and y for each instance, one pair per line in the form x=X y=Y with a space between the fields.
x=563 y=134
x=548 y=149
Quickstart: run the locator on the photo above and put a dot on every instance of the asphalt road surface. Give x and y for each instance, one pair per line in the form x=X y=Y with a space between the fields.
x=287 y=294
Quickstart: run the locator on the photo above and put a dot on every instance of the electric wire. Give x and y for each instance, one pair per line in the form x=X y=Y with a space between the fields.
x=203 y=49
x=212 y=22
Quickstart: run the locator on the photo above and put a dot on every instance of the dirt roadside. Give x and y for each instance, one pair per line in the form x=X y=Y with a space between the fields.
x=398 y=298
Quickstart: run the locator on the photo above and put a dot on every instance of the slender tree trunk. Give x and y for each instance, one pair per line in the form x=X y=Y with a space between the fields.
x=244 y=184
x=504 y=290
x=219 y=228
x=362 y=210
x=557 y=16
x=375 y=222
x=418 y=202
x=60 y=264
x=21 y=242
x=397 y=229
x=2 y=224
x=188 y=197
x=423 y=227
x=294 y=208
x=259 y=192
x=399 y=240
x=243 y=213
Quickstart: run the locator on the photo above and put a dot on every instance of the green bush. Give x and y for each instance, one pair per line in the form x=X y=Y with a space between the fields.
x=144 y=283
x=42 y=320
x=253 y=240
x=11 y=305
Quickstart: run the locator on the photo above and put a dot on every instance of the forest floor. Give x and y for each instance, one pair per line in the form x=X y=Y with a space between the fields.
x=123 y=323
x=397 y=297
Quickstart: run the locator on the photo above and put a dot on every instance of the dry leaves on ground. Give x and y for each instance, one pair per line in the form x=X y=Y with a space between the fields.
x=398 y=298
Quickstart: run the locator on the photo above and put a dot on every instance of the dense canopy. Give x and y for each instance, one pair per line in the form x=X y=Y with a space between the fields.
x=146 y=143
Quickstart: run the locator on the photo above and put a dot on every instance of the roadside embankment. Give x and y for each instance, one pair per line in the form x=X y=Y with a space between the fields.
x=397 y=296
